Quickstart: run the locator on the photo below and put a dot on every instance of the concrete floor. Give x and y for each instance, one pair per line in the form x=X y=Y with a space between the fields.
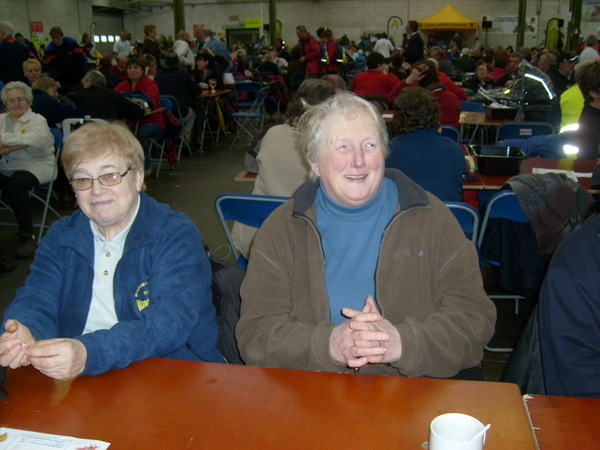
x=192 y=188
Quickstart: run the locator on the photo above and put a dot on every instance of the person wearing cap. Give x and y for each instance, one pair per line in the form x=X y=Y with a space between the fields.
x=173 y=81
x=564 y=76
x=19 y=37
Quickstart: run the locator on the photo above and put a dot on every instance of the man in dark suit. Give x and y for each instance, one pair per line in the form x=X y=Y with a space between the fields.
x=98 y=102
x=415 y=46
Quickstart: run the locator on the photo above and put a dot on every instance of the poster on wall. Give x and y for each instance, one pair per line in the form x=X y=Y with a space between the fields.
x=590 y=12
x=508 y=25
x=395 y=29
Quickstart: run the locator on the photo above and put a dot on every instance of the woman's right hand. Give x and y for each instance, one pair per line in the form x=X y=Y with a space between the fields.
x=13 y=344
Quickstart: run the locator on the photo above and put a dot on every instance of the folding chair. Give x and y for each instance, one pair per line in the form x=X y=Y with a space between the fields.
x=245 y=90
x=469 y=106
x=248 y=209
x=503 y=205
x=451 y=132
x=160 y=142
x=243 y=118
x=522 y=130
x=70 y=125
x=43 y=192
x=175 y=109
x=468 y=218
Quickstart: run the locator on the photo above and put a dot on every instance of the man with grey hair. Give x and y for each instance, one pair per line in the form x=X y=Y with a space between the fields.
x=12 y=55
x=590 y=51
x=547 y=64
x=444 y=65
x=122 y=47
x=464 y=63
x=216 y=46
x=98 y=102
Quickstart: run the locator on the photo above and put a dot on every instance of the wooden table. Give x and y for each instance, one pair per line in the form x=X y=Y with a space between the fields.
x=563 y=423
x=171 y=404
x=495 y=182
x=214 y=96
x=478 y=120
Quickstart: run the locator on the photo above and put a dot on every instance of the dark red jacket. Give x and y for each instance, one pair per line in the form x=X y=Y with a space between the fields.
x=311 y=50
x=332 y=52
x=149 y=87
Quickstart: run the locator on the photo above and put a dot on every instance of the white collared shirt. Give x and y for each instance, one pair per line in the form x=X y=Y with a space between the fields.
x=107 y=254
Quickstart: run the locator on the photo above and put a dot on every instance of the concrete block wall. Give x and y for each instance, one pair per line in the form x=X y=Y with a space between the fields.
x=73 y=16
x=351 y=16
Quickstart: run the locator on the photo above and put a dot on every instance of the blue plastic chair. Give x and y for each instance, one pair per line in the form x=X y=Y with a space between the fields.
x=176 y=110
x=256 y=112
x=469 y=106
x=248 y=87
x=503 y=205
x=522 y=130
x=451 y=132
x=248 y=209
x=468 y=218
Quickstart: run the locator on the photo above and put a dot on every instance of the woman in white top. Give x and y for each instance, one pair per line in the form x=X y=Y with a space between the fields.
x=281 y=163
x=30 y=164
x=182 y=48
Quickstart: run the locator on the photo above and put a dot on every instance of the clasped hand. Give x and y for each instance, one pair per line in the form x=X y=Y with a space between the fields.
x=56 y=358
x=366 y=338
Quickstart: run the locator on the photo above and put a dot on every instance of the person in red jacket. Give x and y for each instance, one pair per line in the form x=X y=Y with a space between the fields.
x=153 y=124
x=375 y=80
x=425 y=74
x=311 y=52
x=332 y=52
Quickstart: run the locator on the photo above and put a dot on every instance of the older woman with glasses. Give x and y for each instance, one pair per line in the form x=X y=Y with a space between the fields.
x=28 y=159
x=123 y=279
x=362 y=269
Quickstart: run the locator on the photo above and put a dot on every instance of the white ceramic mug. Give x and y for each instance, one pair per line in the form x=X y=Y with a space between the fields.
x=455 y=431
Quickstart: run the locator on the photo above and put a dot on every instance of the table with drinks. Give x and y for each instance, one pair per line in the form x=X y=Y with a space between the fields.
x=214 y=95
x=162 y=403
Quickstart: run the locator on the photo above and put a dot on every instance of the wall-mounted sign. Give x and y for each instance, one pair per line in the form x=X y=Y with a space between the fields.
x=37 y=27
x=253 y=23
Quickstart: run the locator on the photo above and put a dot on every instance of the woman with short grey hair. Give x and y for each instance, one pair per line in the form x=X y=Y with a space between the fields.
x=362 y=270
x=27 y=159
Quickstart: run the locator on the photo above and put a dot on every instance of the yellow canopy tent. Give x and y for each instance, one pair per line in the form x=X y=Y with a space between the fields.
x=448 y=18
x=447 y=21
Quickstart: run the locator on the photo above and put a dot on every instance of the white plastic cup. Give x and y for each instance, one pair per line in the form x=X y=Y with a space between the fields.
x=454 y=431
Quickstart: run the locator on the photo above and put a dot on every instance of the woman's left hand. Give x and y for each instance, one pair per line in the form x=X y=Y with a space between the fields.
x=58 y=358
x=370 y=322
x=366 y=338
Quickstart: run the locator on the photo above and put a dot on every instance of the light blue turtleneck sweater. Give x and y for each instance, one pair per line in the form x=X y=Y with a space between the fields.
x=351 y=240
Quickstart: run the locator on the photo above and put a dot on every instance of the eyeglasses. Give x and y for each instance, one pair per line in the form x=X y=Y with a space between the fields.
x=108 y=179
x=16 y=100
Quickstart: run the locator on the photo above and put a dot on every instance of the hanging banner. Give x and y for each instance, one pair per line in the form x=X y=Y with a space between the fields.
x=395 y=29
x=590 y=12
x=508 y=25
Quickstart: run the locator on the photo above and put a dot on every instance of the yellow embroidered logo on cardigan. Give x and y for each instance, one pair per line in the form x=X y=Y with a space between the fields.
x=142 y=294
